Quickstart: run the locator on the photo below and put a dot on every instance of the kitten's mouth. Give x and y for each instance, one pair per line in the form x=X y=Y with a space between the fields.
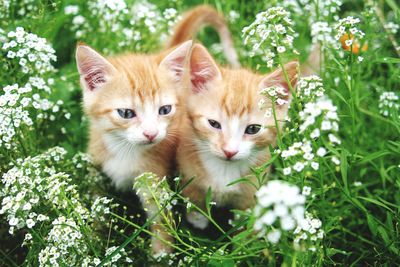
x=228 y=159
x=148 y=143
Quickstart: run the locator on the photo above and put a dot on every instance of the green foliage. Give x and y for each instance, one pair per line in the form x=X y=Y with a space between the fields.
x=69 y=215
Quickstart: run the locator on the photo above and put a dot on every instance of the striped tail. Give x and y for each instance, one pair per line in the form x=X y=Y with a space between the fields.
x=197 y=18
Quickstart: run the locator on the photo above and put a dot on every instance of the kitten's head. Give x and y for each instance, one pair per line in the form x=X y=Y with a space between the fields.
x=131 y=98
x=224 y=111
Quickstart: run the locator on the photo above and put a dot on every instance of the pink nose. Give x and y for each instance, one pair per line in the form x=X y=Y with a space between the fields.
x=229 y=154
x=150 y=136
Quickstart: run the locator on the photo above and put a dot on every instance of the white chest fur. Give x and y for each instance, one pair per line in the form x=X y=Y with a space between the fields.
x=124 y=163
x=222 y=173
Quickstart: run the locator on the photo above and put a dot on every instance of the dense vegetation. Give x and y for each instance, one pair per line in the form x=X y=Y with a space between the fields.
x=332 y=198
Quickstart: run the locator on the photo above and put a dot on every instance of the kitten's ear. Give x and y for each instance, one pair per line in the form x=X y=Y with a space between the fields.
x=174 y=62
x=203 y=69
x=93 y=68
x=277 y=78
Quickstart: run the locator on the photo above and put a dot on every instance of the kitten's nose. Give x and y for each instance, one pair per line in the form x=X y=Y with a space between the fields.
x=150 y=135
x=230 y=153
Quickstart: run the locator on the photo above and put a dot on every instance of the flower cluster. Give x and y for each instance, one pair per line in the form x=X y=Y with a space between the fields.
x=27 y=187
x=101 y=207
x=109 y=12
x=349 y=35
x=31 y=53
x=125 y=26
x=22 y=8
x=389 y=104
x=35 y=191
x=154 y=190
x=316 y=121
x=310 y=88
x=304 y=154
x=321 y=32
x=116 y=258
x=323 y=10
x=313 y=11
x=280 y=206
x=308 y=230
x=152 y=20
x=392 y=27
x=270 y=34
x=65 y=243
x=322 y=114
x=22 y=106
x=277 y=94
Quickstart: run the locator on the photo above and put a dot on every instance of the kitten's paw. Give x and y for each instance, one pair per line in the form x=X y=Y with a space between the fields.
x=197 y=219
x=159 y=248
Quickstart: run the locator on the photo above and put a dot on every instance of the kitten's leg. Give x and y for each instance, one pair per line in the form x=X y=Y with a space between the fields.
x=161 y=240
x=197 y=219
x=197 y=196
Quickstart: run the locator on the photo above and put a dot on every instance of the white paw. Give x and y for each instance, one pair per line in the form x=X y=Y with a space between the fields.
x=197 y=219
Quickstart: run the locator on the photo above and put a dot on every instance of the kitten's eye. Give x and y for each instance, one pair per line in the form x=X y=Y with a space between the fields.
x=126 y=113
x=164 y=110
x=253 y=129
x=214 y=124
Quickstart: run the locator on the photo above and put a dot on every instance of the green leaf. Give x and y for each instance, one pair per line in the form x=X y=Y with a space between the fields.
x=343 y=170
x=384 y=235
x=372 y=225
x=376 y=202
x=333 y=251
x=221 y=263
x=394 y=6
x=373 y=156
x=392 y=60
x=389 y=221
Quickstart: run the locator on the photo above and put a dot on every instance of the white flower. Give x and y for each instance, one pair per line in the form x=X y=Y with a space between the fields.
x=13 y=221
x=281 y=49
x=275 y=200
x=71 y=10
x=298 y=166
x=335 y=160
x=315 y=133
x=268 y=218
x=306 y=190
x=30 y=223
x=315 y=165
x=321 y=152
x=271 y=31
x=274 y=236
x=348 y=24
x=310 y=87
x=287 y=170
x=334 y=139
x=389 y=103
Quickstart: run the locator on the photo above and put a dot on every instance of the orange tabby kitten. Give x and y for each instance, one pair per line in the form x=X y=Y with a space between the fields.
x=222 y=136
x=134 y=107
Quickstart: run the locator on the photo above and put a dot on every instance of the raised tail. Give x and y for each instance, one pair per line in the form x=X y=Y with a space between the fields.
x=197 y=18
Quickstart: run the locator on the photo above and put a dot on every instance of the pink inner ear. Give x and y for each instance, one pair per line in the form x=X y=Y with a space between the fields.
x=277 y=78
x=202 y=69
x=93 y=68
x=175 y=60
x=176 y=67
x=286 y=88
x=198 y=83
x=94 y=77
